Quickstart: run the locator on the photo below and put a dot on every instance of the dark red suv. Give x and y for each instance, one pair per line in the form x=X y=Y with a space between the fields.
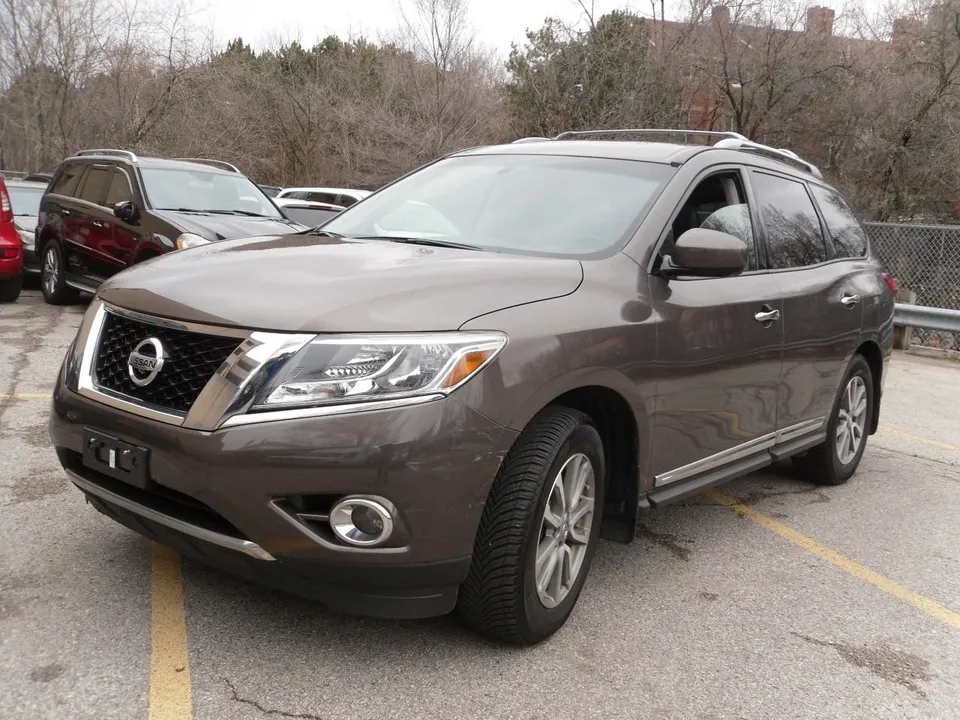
x=106 y=210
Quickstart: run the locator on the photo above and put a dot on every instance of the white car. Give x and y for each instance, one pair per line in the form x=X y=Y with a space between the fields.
x=334 y=196
x=305 y=212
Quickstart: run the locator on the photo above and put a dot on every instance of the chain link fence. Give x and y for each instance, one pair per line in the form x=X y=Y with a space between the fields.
x=926 y=260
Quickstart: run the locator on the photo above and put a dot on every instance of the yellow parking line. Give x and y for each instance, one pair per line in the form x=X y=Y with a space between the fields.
x=920 y=438
x=25 y=396
x=170 y=692
x=930 y=607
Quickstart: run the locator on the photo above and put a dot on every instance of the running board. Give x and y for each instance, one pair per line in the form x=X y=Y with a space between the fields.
x=682 y=489
x=81 y=287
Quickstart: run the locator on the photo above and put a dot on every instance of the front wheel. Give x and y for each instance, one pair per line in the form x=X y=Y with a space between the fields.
x=538 y=531
x=53 y=277
x=835 y=460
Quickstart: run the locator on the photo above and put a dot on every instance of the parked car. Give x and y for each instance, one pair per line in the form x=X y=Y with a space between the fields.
x=25 y=198
x=41 y=177
x=106 y=210
x=332 y=196
x=11 y=249
x=445 y=396
x=305 y=212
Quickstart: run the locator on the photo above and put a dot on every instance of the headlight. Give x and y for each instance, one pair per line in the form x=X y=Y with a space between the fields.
x=189 y=240
x=345 y=369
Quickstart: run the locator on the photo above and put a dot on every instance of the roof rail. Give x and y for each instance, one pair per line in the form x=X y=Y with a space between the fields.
x=108 y=151
x=651 y=131
x=781 y=154
x=222 y=164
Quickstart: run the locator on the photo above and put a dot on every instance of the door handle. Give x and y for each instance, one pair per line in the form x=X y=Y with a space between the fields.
x=767 y=315
x=850 y=299
x=97 y=223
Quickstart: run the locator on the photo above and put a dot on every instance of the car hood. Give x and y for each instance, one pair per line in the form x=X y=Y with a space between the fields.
x=308 y=283
x=214 y=226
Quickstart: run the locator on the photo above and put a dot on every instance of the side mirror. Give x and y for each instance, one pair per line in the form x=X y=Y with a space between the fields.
x=126 y=211
x=706 y=253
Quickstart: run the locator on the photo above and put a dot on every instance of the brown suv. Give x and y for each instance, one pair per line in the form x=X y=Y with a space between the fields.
x=447 y=394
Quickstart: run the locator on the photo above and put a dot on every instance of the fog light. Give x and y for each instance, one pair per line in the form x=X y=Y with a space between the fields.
x=361 y=521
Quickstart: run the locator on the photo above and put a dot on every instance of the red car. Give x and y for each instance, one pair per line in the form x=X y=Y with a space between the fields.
x=11 y=249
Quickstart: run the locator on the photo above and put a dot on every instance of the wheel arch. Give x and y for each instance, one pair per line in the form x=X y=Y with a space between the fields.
x=871 y=352
x=623 y=424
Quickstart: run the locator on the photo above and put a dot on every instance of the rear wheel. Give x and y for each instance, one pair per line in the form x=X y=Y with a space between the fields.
x=53 y=278
x=10 y=288
x=538 y=532
x=835 y=460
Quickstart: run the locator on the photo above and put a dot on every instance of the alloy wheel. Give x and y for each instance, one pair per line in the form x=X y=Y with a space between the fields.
x=851 y=420
x=565 y=530
x=51 y=270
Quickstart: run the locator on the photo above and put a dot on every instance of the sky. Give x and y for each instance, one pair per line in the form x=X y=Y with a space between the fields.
x=497 y=22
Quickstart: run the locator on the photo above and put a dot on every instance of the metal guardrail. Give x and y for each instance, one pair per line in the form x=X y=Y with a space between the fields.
x=928 y=318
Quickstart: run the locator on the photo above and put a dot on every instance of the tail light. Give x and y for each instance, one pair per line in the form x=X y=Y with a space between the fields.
x=6 y=209
x=891 y=283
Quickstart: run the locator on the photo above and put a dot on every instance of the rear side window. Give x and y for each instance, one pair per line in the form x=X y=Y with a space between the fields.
x=95 y=185
x=120 y=190
x=66 y=182
x=849 y=240
x=346 y=201
x=794 y=237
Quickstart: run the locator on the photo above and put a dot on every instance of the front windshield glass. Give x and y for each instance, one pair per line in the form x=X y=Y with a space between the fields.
x=25 y=200
x=540 y=204
x=200 y=191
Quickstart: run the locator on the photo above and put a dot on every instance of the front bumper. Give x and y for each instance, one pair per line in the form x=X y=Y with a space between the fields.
x=217 y=496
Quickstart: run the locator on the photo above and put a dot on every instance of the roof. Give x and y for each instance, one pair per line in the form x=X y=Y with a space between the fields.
x=17 y=182
x=148 y=162
x=652 y=152
x=655 y=152
x=347 y=191
x=304 y=204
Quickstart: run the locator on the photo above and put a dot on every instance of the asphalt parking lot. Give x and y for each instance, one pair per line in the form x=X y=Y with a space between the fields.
x=768 y=599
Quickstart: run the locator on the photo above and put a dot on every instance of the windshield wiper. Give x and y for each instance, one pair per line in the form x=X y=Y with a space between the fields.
x=215 y=212
x=430 y=242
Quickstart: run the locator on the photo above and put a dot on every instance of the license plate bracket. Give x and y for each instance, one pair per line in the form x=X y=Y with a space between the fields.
x=115 y=458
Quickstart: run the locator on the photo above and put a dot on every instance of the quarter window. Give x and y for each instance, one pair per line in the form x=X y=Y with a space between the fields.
x=794 y=237
x=849 y=240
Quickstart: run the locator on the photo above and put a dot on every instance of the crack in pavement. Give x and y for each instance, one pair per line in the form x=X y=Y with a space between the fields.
x=267 y=711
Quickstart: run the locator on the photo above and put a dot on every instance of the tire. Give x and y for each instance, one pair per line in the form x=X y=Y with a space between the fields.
x=53 y=280
x=10 y=289
x=823 y=464
x=499 y=598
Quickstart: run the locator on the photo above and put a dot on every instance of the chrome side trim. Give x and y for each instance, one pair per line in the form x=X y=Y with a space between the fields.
x=231 y=543
x=737 y=452
x=800 y=429
x=328 y=410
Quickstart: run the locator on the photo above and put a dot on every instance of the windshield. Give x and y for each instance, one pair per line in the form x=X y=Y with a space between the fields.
x=311 y=217
x=199 y=191
x=541 y=204
x=25 y=200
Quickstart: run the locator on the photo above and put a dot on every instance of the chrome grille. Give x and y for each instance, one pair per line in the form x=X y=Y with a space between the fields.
x=192 y=358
